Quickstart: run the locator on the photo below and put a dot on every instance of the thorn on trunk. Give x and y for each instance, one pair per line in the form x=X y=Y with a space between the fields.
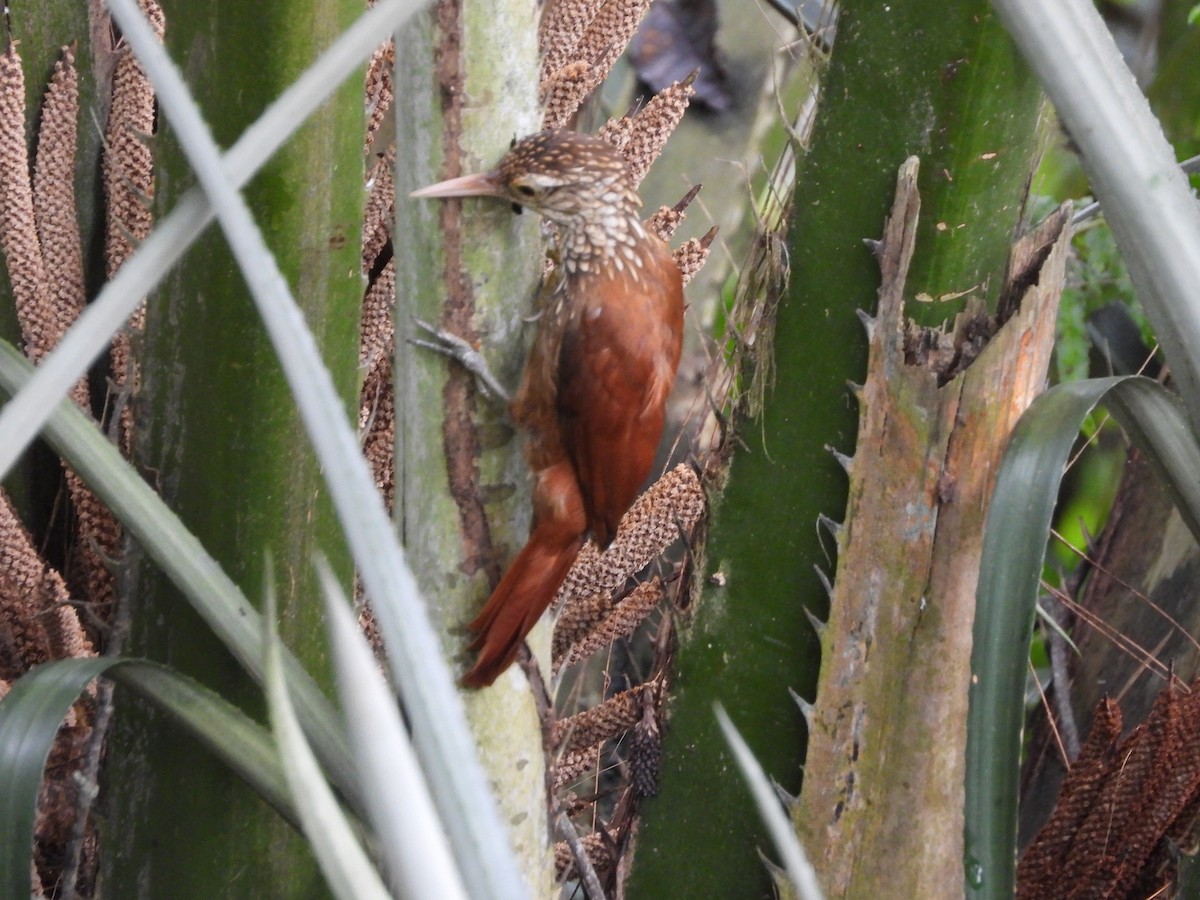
x=806 y=708
x=817 y=625
x=824 y=580
x=843 y=460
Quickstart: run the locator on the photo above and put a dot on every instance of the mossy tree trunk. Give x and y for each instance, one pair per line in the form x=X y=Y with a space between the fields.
x=465 y=87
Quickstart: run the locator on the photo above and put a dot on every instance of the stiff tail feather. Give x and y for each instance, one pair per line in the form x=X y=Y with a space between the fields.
x=520 y=599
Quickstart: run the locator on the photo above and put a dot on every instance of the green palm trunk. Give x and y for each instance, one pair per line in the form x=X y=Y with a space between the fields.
x=905 y=78
x=219 y=437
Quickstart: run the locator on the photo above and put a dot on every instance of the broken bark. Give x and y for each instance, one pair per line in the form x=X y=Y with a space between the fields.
x=881 y=809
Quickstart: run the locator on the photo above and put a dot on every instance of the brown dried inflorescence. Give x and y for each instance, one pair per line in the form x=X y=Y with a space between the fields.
x=44 y=258
x=127 y=177
x=379 y=91
x=597 y=623
x=599 y=848
x=614 y=716
x=672 y=504
x=54 y=204
x=642 y=139
x=580 y=40
x=35 y=606
x=18 y=228
x=1125 y=807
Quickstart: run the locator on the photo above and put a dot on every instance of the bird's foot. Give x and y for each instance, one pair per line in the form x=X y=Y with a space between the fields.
x=457 y=348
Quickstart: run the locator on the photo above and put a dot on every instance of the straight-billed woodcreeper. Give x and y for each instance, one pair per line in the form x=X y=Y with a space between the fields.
x=593 y=394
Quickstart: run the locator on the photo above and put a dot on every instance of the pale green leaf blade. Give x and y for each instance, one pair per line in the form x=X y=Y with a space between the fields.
x=348 y=870
x=408 y=831
x=795 y=861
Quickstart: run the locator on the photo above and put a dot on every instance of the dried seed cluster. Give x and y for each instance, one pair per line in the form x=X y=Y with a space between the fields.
x=1125 y=807
x=48 y=613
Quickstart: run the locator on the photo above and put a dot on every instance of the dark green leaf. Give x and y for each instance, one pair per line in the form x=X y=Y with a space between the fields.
x=33 y=710
x=1013 y=554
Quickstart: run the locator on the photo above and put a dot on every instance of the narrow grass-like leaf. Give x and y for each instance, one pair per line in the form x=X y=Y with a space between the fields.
x=25 y=415
x=1049 y=621
x=1157 y=422
x=347 y=868
x=795 y=861
x=408 y=833
x=32 y=711
x=1014 y=550
x=440 y=732
x=180 y=555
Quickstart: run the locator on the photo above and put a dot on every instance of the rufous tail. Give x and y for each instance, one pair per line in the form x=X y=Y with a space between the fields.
x=520 y=599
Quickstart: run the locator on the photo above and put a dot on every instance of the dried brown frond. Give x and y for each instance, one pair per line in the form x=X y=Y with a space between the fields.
x=614 y=716
x=563 y=93
x=692 y=254
x=618 y=622
x=653 y=126
x=673 y=503
x=54 y=204
x=571 y=767
x=598 y=848
x=39 y=622
x=667 y=219
x=379 y=91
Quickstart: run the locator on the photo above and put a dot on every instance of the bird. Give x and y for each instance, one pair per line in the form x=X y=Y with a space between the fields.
x=593 y=394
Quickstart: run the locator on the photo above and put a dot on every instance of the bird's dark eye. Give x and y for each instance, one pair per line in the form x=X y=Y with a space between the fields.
x=525 y=190
x=518 y=208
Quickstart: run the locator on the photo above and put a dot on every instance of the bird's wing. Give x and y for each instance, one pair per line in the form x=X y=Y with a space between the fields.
x=616 y=368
